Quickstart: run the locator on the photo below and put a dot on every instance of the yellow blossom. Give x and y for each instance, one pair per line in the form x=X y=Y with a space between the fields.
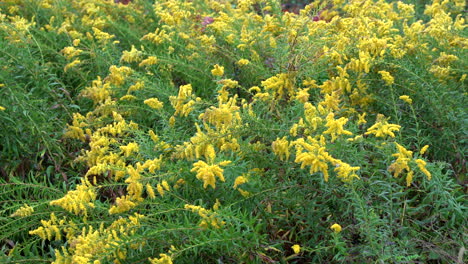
x=129 y=149
x=423 y=149
x=151 y=60
x=2 y=108
x=336 y=228
x=406 y=98
x=160 y=189
x=296 y=248
x=281 y=148
x=389 y=80
x=122 y=204
x=23 y=211
x=422 y=166
x=207 y=173
x=361 y=119
x=382 y=128
x=217 y=70
x=335 y=126
x=78 y=201
x=154 y=103
x=163 y=259
x=133 y=55
x=150 y=191
x=71 y=65
x=239 y=180
x=243 y=62
x=76 y=42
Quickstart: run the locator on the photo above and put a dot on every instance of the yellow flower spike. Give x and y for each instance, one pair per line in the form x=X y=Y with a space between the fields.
x=243 y=62
x=76 y=42
x=23 y=211
x=281 y=148
x=216 y=205
x=424 y=149
x=238 y=181
x=217 y=70
x=122 y=204
x=163 y=259
x=409 y=178
x=165 y=185
x=2 y=108
x=406 y=98
x=151 y=60
x=422 y=166
x=160 y=189
x=335 y=126
x=150 y=191
x=296 y=248
x=336 y=228
x=154 y=103
x=129 y=149
x=382 y=128
x=133 y=55
x=207 y=173
x=71 y=65
x=361 y=119
x=387 y=77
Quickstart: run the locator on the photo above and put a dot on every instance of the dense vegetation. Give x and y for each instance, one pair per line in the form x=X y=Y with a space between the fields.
x=233 y=131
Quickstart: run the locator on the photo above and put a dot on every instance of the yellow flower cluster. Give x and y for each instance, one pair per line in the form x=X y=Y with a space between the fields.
x=405 y=161
x=78 y=201
x=208 y=173
x=209 y=218
x=23 y=211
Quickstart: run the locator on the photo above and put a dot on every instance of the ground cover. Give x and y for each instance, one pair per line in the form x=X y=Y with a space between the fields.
x=247 y=131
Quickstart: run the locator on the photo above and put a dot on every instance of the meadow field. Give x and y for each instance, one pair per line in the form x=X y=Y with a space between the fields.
x=233 y=131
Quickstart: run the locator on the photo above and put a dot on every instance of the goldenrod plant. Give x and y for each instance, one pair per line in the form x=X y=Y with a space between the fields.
x=233 y=131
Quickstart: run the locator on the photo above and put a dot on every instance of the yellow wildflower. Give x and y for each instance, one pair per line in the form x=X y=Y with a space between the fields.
x=129 y=149
x=336 y=228
x=403 y=156
x=382 y=128
x=160 y=189
x=239 y=180
x=207 y=173
x=164 y=259
x=150 y=191
x=78 y=201
x=217 y=70
x=406 y=98
x=361 y=119
x=122 y=204
x=409 y=178
x=154 y=103
x=23 y=211
x=296 y=248
x=243 y=62
x=422 y=166
x=76 y=42
x=71 y=65
x=165 y=185
x=151 y=60
x=389 y=80
x=128 y=97
x=281 y=148
x=423 y=149
x=302 y=95
x=2 y=108
x=133 y=55
x=346 y=172
x=335 y=126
